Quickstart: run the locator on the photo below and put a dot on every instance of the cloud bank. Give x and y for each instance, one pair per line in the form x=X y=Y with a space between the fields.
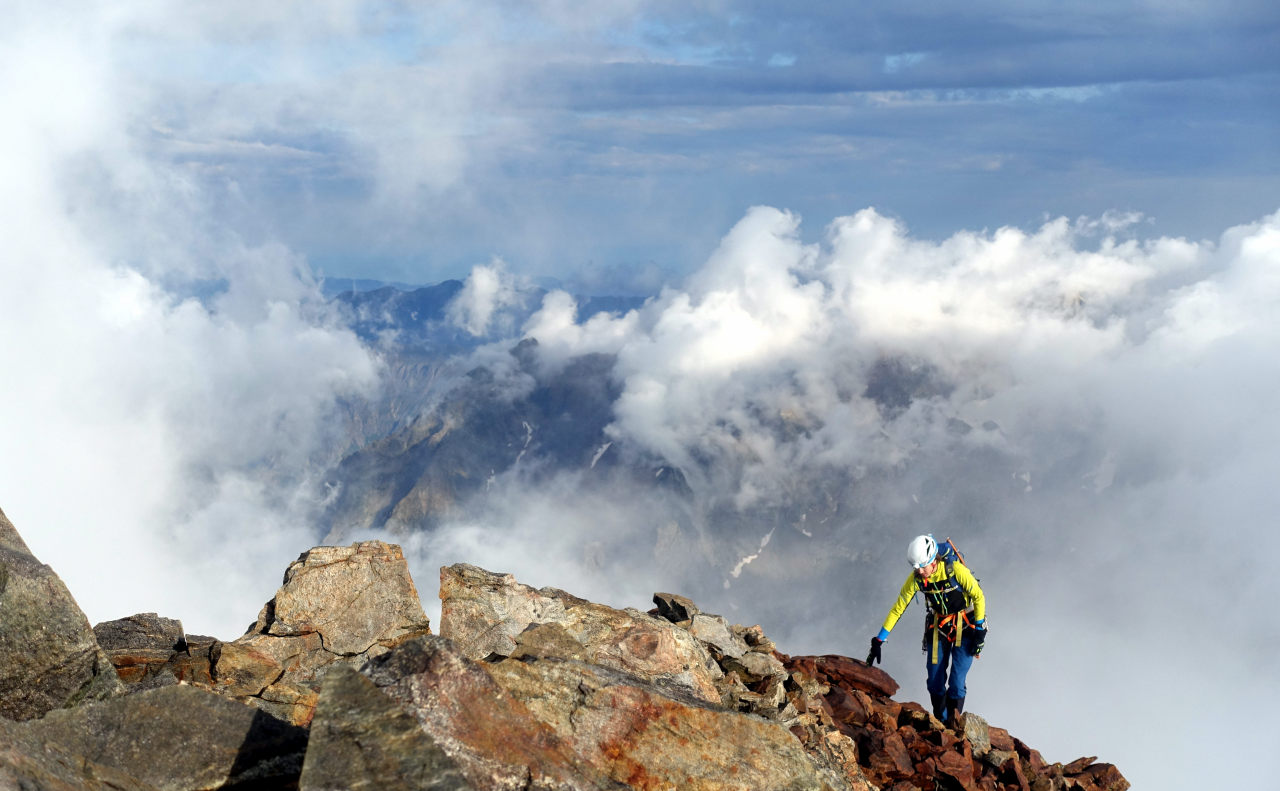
x=1089 y=409
x=1086 y=411
x=168 y=384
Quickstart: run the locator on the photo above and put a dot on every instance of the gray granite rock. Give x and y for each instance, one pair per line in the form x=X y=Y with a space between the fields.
x=177 y=738
x=362 y=739
x=49 y=657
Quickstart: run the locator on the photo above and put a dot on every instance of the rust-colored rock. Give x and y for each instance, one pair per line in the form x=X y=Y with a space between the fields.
x=1013 y=775
x=847 y=671
x=1079 y=765
x=892 y=758
x=902 y=745
x=849 y=705
x=143 y=668
x=957 y=767
x=1000 y=739
x=1035 y=762
x=1105 y=777
x=142 y=646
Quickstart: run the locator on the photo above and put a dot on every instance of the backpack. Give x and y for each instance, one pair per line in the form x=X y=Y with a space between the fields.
x=948 y=554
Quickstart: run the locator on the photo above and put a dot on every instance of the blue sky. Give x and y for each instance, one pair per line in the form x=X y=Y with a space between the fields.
x=410 y=143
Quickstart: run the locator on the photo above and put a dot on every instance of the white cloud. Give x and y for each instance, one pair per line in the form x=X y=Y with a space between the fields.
x=561 y=337
x=1127 y=385
x=484 y=295
x=159 y=450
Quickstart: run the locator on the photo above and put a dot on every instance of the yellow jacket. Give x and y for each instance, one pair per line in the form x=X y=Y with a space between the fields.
x=972 y=594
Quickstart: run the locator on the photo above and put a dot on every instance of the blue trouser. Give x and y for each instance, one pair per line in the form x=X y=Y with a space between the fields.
x=939 y=654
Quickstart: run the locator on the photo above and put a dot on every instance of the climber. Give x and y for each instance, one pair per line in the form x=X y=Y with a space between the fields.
x=955 y=624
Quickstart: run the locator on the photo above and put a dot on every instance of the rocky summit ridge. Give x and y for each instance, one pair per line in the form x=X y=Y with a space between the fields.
x=340 y=684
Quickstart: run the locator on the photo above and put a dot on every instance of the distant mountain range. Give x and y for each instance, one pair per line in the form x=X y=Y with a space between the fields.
x=466 y=425
x=445 y=427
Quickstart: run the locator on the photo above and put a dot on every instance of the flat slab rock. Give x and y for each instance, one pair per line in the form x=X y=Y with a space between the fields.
x=143 y=647
x=565 y=724
x=644 y=736
x=485 y=613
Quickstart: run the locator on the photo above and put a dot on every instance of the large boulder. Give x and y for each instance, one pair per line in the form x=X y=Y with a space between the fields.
x=494 y=738
x=49 y=657
x=340 y=605
x=354 y=598
x=143 y=648
x=485 y=614
x=175 y=738
x=646 y=736
x=361 y=738
x=548 y=723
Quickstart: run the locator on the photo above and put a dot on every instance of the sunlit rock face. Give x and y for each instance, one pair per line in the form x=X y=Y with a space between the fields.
x=338 y=605
x=486 y=614
x=339 y=684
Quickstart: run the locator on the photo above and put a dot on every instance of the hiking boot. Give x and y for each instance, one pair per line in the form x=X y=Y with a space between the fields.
x=939 y=705
x=955 y=707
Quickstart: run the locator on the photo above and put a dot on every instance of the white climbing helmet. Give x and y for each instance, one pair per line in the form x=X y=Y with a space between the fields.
x=921 y=551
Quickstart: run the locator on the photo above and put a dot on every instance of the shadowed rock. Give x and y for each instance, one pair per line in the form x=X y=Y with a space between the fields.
x=176 y=738
x=49 y=657
x=32 y=764
x=362 y=739
x=674 y=607
x=142 y=646
x=142 y=632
